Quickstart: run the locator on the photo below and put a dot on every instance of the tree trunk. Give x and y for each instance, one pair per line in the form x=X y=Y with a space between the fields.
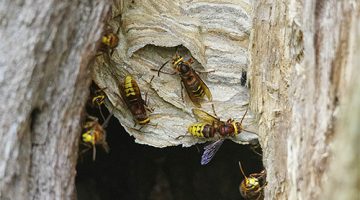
x=344 y=171
x=301 y=66
x=45 y=48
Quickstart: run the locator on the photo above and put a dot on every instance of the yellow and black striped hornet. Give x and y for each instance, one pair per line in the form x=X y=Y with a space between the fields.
x=109 y=41
x=194 y=85
x=97 y=95
x=130 y=93
x=95 y=135
x=97 y=98
x=252 y=187
x=228 y=128
x=209 y=126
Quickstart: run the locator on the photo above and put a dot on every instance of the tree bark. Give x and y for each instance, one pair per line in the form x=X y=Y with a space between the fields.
x=344 y=172
x=299 y=77
x=301 y=68
x=45 y=48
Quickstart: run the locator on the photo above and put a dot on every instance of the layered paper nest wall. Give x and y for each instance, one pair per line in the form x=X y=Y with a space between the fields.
x=215 y=33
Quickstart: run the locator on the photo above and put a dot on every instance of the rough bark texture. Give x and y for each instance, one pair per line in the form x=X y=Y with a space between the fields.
x=45 y=48
x=303 y=55
x=344 y=170
x=299 y=74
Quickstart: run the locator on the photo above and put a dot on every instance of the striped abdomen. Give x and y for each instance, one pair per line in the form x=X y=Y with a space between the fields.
x=202 y=130
x=134 y=101
x=191 y=81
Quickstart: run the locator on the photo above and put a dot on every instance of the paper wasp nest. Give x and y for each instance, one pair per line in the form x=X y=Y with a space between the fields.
x=215 y=34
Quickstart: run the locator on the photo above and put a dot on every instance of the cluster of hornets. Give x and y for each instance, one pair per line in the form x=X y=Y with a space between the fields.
x=208 y=126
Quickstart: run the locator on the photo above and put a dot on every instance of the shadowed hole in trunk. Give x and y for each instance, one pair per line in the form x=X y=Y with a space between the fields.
x=132 y=171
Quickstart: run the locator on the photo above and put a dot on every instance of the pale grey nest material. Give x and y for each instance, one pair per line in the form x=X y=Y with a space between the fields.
x=216 y=34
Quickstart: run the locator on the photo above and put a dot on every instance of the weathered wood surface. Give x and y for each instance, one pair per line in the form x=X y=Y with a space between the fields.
x=45 y=48
x=299 y=76
x=301 y=60
x=344 y=172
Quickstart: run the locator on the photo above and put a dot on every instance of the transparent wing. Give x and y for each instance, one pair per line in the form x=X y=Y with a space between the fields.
x=205 y=87
x=210 y=151
x=203 y=116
